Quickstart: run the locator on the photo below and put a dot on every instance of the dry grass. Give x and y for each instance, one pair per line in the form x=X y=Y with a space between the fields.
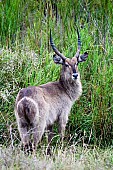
x=71 y=158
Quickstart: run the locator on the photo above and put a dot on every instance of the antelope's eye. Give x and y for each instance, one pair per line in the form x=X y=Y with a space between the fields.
x=67 y=65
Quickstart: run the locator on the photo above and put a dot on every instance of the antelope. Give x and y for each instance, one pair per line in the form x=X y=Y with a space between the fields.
x=38 y=107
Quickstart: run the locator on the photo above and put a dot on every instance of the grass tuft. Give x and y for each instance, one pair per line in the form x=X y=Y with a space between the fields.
x=26 y=60
x=65 y=159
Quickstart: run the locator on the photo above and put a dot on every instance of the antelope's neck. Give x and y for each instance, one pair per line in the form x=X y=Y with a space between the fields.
x=73 y=88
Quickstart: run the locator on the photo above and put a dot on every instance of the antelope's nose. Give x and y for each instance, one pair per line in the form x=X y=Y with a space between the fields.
x=74 y=76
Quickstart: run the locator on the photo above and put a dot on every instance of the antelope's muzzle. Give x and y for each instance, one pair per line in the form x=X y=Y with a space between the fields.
x=74 y=76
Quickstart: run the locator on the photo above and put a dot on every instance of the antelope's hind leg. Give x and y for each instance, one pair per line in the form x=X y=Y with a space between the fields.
x=38 y=131
x=25 y=137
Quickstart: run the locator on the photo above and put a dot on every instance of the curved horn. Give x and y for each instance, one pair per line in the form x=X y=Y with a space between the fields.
x=79 y=44
x=55 y=49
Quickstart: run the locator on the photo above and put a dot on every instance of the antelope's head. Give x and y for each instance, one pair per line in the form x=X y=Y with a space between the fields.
x=70 y=66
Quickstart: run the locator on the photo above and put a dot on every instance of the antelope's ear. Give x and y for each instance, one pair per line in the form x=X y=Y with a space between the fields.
x=83 y=57
x=57 y=59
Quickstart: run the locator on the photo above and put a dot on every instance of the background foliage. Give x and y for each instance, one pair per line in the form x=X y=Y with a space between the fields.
x=26 y=59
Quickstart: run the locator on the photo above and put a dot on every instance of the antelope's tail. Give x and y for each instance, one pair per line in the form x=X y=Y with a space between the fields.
x=27 y=110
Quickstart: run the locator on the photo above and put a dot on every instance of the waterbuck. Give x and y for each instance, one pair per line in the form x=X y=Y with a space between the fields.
x=38 y=107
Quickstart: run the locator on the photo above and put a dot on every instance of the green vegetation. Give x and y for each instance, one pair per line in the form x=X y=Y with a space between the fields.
x=26 y=59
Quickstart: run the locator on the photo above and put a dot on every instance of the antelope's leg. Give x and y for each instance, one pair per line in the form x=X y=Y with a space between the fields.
x=38 y=131
x=62 y=131
x=25 y=137
x=62 y=125
x=50 y=136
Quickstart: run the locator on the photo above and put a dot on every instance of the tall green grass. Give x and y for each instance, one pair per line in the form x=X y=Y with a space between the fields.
x=26 y=59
